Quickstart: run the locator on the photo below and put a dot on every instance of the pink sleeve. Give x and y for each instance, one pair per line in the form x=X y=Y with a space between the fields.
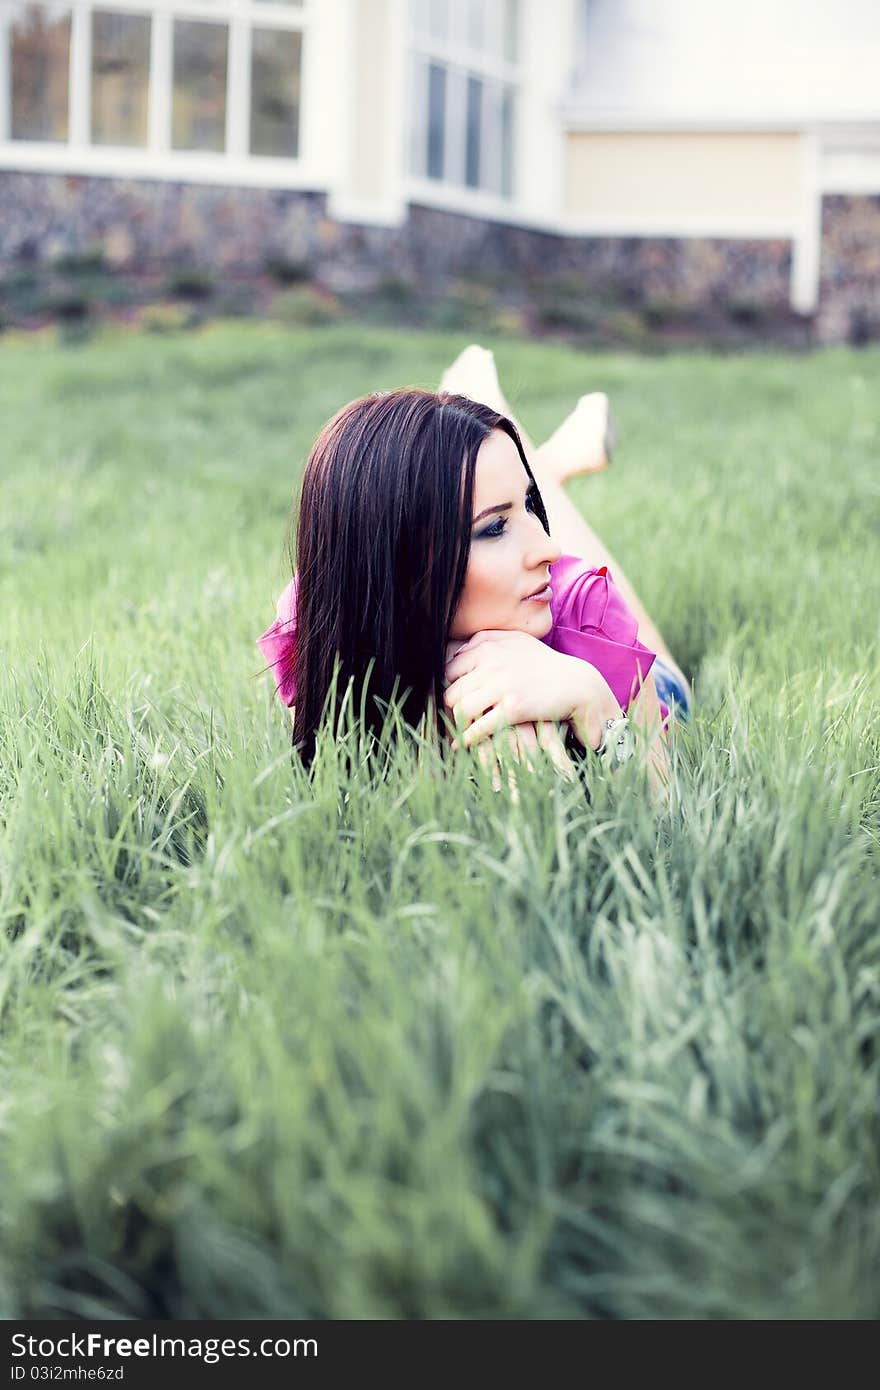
x=278 y=644
x=592 y=621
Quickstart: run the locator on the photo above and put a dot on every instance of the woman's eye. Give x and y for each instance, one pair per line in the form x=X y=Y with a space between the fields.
x=496 y=529
x=530 y=500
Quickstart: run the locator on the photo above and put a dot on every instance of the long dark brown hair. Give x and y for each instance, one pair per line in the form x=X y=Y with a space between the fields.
x=382 y=543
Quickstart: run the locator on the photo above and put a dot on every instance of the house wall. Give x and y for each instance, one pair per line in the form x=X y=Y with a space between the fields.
x=678 y=175
x=371 y=107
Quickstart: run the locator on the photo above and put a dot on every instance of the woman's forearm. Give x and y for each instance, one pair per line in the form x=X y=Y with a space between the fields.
x=589 y=716
x=654 y=746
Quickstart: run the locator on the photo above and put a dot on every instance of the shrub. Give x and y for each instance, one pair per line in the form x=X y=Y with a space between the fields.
x=81 y=262
x=166 y=318
x=288 y=271
x=666 y=311
x=67 y=305
x=567 y=302
x=236 y=302
x=190 y=282
x=307 y=307
x=746 y=312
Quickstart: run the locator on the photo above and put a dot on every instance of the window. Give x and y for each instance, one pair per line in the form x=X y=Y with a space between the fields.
x=276 y=60
x=464 y=76
x=120 y=77
x=40 y=53
x=436 y=119
x=174 y=78
x=200 y=70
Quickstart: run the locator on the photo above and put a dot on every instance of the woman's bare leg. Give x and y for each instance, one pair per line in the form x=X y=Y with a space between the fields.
x=473 y=374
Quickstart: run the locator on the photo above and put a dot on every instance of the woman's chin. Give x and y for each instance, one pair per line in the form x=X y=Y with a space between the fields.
x=537 y=623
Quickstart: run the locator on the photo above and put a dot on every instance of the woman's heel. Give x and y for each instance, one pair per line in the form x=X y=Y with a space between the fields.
x=584 y=442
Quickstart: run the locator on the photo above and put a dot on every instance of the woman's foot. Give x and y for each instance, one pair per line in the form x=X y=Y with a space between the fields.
x=585 y=440
x=473 y=374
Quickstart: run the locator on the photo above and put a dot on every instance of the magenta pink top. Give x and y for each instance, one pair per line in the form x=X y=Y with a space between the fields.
x=590 y=620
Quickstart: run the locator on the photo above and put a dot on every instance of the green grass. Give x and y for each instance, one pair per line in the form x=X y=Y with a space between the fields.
x=409 y=1048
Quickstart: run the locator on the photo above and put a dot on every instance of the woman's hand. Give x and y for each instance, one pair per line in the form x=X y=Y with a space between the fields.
x=524 y=744
x=502 y=678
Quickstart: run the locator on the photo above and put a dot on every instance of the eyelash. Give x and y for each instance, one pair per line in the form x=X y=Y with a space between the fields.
x=497 y=529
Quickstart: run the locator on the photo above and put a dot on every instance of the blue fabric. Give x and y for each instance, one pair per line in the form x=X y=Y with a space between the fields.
x=670 y=690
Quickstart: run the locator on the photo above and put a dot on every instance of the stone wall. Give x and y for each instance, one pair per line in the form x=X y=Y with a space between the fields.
x=145 y=225
x=141 y=224
x=849 y=294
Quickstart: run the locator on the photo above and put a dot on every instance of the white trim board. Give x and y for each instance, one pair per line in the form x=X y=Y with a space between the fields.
x=108 y=162
x=476 y=203
x=650 y=122
x=676 y=224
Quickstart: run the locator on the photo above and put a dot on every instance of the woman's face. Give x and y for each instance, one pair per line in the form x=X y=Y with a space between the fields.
x=510 y=554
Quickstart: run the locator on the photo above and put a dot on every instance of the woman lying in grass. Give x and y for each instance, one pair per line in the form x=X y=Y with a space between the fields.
x=439 y=562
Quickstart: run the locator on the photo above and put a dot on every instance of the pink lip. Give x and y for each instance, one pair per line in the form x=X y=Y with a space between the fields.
x=542 y=596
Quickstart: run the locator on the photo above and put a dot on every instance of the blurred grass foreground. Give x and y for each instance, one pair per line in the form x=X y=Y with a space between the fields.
x=407 y=1048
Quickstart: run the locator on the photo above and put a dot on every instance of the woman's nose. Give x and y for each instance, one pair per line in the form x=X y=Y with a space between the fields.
x=543 y=550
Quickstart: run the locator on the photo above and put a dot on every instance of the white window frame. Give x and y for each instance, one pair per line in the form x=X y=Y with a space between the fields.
x=461 y=60
x=158 y=160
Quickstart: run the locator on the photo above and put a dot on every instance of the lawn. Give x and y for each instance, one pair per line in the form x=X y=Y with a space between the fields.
x=407 y=1048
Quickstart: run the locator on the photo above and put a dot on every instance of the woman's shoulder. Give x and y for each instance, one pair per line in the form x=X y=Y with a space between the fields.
x=278 y=643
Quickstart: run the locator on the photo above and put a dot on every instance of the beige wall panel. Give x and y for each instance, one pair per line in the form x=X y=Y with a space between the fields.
x=707 y=175
x=371 y=107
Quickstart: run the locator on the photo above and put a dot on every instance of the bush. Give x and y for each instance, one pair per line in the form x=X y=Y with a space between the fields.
x=454 y=313
x=236 y=302
x=81 y=262
x=288 y=272
x=567 y=302
x=307 y=307
x=667 y=311
x=746 y=312
x=166 y=318
x=19 y=282
x=189 y=282
x=67 y=305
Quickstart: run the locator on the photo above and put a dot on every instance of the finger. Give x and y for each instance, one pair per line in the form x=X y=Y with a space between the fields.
x=488 y=724
x=479 y=639
x=506 y=746
x=509 y=741
x=454 y=692
x=488 y=634
x=552 y=742
x=486 y=754
x=526 y=744
x=466 y=661
x=471 y=705
x=489 y=758
x=453 y=648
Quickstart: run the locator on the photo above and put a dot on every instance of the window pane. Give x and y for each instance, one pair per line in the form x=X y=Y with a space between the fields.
x=40 y=49
x=474 y=16
x=438 y=18
x=507 y=136
x=418 y=106
x=474 y=132
x=436 y=119
x=275 y=71
x=510 y=26
x=199 y=111
x=120 y=78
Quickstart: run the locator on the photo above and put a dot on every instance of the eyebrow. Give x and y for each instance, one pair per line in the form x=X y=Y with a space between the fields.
x=500 y=506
